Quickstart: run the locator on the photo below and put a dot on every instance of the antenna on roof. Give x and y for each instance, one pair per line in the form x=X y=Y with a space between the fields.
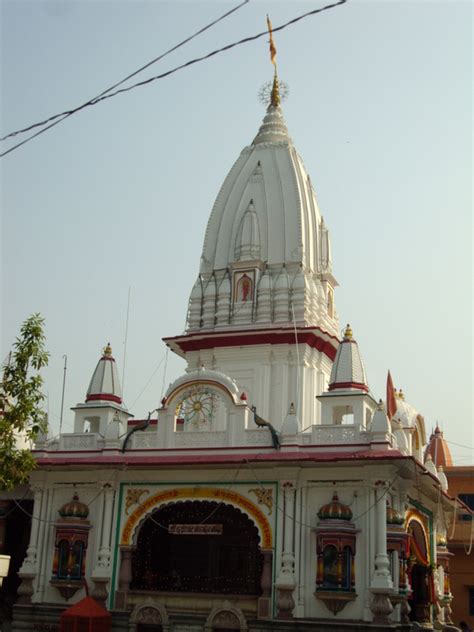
x=62 y=396
x=125 y=342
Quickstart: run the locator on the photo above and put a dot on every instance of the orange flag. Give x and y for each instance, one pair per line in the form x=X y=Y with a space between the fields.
x=391 y=401
x=273 y=50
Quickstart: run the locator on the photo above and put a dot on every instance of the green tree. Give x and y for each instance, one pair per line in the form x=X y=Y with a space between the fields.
x=21 y=399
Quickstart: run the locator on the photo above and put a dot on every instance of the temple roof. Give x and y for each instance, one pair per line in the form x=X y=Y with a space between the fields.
x=105 y=382
x=439 y=450
x=270 y=176
x=348 y=371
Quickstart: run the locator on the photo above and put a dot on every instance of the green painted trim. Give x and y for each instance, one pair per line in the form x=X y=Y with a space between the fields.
x=275 y=540
x=231 y=483
x=116 y=549
x=429 y=514
x=122 y=486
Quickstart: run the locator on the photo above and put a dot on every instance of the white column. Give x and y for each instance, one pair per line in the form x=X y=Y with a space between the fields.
x=104 y=551
x=286 y=577
x=381 y=578
x=288 y=557
x=46 y=535
x=31 y=551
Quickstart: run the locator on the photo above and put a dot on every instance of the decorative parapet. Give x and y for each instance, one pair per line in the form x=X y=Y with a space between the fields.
x=338 y=435
x=80 y=441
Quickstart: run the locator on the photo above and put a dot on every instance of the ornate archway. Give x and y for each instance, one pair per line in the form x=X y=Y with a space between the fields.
x=130 y=530
x=198 y=546
x=420 y=572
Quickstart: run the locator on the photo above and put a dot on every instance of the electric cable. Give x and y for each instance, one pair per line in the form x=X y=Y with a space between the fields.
x=101 y=491
x=310 y=526
x=245 y=40
x=149 y=381
x=67 y=113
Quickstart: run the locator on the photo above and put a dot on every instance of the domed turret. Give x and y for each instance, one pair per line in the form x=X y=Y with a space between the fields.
x=394 y=516
x=380 y=422
x=348 y=371
x=74 y=509
x=439 y=450
x=103 y=399
x=105 y=383
x=266 y=213
x=430 y=466
x=335 y=510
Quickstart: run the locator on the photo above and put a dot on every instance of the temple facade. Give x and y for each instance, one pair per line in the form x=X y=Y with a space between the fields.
x=271 y=490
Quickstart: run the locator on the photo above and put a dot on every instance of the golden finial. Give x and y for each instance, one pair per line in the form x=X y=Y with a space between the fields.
x=108 y=350
x=275 y=96
x=348 y=332
x=401 y=395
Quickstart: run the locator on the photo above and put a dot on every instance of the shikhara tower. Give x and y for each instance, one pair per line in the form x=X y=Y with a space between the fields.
x=262 y=308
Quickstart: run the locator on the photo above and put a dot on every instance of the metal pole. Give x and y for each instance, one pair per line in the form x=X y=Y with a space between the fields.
x=62 y=396
x=125 y=341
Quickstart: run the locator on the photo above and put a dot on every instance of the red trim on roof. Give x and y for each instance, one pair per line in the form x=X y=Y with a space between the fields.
x=208 y=459
x=108 y=397
x=108 y=358
x=136 y=422
x=359 y=385
x=305 y=335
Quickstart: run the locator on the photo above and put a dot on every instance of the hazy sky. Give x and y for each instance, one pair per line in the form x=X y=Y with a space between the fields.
x=119 y=195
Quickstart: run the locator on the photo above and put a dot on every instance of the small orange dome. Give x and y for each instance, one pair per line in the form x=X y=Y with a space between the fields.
x=439 y=450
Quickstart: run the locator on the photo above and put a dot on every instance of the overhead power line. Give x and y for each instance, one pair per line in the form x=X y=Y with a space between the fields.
x=67 y=113
x=107 y=94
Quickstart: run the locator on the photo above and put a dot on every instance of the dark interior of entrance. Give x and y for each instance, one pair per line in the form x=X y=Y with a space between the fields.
x=227 y=562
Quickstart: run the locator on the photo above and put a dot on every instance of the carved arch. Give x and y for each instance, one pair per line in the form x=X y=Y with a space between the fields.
x=130 y=529
x=150 y=611
x=227 y=616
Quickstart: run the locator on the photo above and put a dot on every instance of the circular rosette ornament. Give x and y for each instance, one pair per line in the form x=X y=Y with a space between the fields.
x=265 y=92
x=197 y=408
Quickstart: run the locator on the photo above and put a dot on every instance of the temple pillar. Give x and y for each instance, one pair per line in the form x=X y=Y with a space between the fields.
x=29 y=568
x=104 y=551
x=31 y=551
x=101 y=573
x=264 y=601
x=381 y=585
x=285 y=582
x=125 y=576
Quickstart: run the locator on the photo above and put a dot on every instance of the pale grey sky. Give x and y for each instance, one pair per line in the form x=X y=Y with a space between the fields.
x=118 y=196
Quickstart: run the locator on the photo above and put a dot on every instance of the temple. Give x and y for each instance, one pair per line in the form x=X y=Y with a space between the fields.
x=271 y=490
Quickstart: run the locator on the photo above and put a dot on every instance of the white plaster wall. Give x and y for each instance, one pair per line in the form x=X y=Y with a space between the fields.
x=272 y=376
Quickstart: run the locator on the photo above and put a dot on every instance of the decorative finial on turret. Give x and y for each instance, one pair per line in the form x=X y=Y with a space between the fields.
x=380 y=405
x=348 y=332
x=108 y=350
x=401 y=395
x=275 y=95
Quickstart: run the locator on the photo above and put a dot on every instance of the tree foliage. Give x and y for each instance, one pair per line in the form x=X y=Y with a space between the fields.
x=22 y=417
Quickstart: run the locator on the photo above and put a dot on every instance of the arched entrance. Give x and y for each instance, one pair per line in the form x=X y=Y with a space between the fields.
x=420 y=574
x=198 y=546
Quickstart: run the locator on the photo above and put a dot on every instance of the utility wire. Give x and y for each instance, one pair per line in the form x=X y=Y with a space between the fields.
x=60 y=117
x=133 y=74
